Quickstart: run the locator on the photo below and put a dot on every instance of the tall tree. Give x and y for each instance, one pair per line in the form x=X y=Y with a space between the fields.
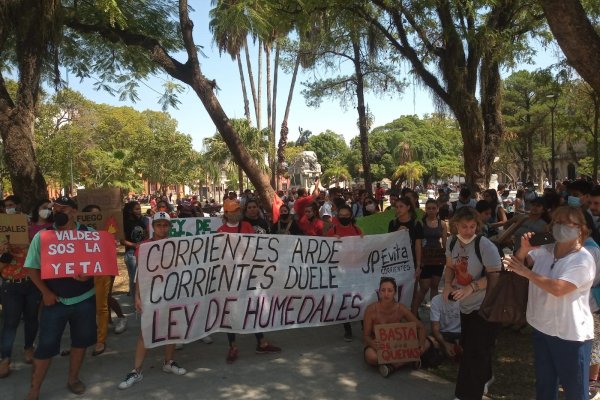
x=28 y=40
x=576 y=36
x=346 y=39
x=456 y=48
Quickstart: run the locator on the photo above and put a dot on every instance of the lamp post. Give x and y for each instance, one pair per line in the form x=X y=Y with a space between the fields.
x=554 y=97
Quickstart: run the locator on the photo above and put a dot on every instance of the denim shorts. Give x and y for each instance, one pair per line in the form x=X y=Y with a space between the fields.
x=53 y=320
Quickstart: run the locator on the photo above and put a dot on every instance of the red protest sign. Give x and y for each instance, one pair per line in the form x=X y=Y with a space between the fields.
x=65 y=254
x=398 y=343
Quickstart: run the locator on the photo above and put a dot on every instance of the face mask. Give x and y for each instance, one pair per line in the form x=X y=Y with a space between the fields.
x=574 y=201
x=11 y=210
x=60 y=219
x=370 y=207
x=565 y=233
x=44 y=214
x=345 y=220
x=466 y=240
x=284 y=216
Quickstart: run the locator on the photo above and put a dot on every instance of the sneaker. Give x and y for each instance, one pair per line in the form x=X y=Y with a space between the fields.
x=173 y=368
x=385 y=370
x=348 y=337
x=487 y=385
x=232 y=355
x=207 y=339
x=268 y=349
x=593 y=394
x=131 y=378
x=121 y=325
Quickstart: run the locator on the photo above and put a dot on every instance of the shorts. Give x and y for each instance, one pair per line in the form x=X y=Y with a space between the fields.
x=595 y=360
x=53 y=320
x=451 y=337
x=429 y=271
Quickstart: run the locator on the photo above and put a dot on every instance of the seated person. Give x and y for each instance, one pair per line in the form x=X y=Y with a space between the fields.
x=386 y=311
x=445 y=326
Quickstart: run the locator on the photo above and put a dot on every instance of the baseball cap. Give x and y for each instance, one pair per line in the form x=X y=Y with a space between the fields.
x=230 y=206
x=66 y=201
x=161 y=215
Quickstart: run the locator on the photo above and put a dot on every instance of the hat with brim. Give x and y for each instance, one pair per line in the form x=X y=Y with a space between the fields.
x=65 y=201
x=161 y=216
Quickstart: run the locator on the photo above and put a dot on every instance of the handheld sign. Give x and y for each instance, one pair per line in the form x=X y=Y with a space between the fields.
x=14 y=227
x=399 y=343
x=65 y=254
x=110 y=221
x=105 y=198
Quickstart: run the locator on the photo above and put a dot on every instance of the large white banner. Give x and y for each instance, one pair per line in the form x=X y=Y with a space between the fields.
x=192 y=286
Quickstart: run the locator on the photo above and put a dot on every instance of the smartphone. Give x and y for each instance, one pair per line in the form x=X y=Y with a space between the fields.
x=541 y=238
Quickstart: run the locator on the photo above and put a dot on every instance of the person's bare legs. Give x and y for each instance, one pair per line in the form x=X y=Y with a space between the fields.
x=140 y=353
x=38 y=373
x=169 y=351
x=75 y=362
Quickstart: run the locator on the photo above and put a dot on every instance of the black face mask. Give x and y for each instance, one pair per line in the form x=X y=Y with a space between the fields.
x=60 y=219
x=284 y=216
x=345 y=220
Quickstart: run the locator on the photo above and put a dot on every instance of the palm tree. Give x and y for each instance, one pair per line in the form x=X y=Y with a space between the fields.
x=231 y=23
x=410 y=171
x=255 y=142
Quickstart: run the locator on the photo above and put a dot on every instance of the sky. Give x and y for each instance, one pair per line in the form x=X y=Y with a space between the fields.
x=194 y=120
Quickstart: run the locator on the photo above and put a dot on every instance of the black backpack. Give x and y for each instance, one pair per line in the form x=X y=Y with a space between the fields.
x=477 y=248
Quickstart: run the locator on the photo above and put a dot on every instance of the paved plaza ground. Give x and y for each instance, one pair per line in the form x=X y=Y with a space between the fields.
x=315 y=363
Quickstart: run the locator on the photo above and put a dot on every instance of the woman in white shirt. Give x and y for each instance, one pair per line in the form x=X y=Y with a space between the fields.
x=558 y=307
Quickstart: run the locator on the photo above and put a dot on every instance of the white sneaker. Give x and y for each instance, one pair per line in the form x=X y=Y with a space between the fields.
x=207 y=339
x=487 y=385
x=131 y=378
x=173 y=368
x=121 y=325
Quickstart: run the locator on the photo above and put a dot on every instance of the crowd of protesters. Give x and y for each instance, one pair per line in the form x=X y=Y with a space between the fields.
x=455 y=247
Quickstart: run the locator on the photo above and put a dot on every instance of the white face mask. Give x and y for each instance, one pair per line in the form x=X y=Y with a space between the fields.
x=466 y=240
x=565 y=233
x=11 y=210
x=45 y=213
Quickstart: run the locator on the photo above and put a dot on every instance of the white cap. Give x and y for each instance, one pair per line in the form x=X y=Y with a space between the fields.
x=161 y=215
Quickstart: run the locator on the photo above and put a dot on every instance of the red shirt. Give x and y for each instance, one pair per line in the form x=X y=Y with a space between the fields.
x=14 y=270
x=244 y=228
x=314 y=228
x=301 y=203
x=343 y=231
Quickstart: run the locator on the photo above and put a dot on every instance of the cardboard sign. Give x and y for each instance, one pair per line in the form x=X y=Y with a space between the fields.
x=192 y=286
x=399 y=343
x=105 y=198
x=110 y=221
x=66 y=254
x=15 y=228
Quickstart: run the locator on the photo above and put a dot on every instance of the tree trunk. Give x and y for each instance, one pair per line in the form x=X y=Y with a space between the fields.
x=576 y=37
x=272 y=145
x=596 y=100
x=283 y=133
x=33 y=38
x=362 y=117
x=270 y=153
x=240 y=180
x=244 y=92
x=252 y=86
x=259 y=86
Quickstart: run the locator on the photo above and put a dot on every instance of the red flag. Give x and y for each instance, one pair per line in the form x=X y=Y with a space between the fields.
x=277 y=203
